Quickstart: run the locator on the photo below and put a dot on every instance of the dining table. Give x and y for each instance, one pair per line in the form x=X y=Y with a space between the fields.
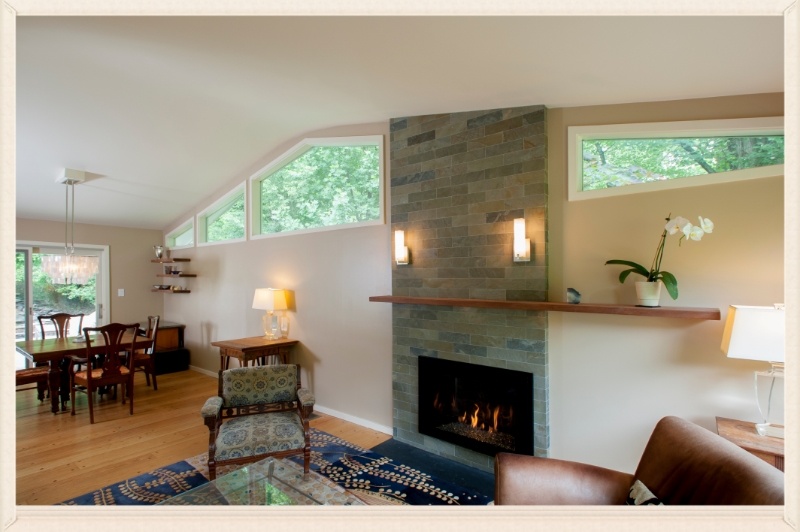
x=55 y=352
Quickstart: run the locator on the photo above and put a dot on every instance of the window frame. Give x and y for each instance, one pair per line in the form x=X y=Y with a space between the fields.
x=695 y=128
x=297 y=151
x=188 y=225
x=217 y=209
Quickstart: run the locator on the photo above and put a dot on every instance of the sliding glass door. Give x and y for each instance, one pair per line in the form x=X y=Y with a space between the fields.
x=40 y=291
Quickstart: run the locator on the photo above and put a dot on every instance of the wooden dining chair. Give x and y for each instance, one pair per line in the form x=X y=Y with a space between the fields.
x=108 y=369
x=39 y=375
x=144 y=359
x=61 y=322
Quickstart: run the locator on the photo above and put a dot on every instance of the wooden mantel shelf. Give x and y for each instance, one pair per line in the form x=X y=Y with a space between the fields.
x=590 y=308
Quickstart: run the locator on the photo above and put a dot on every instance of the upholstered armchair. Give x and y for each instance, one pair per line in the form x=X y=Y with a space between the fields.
x=259 y=411
x=682 y=464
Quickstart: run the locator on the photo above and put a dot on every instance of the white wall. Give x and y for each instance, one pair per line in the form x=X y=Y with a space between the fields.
x=345 y=341
x=613 y=377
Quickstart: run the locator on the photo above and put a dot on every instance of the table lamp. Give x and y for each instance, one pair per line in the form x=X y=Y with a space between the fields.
x=270 y=300
x=758 y=333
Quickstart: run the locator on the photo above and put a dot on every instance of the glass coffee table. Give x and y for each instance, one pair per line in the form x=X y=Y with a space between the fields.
x=269 y=482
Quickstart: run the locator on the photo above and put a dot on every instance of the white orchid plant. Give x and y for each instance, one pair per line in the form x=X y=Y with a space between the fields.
x=677 y=225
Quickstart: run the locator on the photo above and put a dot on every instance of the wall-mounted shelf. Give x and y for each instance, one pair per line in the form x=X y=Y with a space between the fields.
x=171 y=291
x=169 y=261
x=589 y=308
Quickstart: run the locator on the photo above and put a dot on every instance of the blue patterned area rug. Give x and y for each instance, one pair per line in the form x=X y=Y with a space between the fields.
x=377 y=479
x=145 y=489
x=372 y=477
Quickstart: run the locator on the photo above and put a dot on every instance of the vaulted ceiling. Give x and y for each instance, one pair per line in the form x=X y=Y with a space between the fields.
x=163 y=111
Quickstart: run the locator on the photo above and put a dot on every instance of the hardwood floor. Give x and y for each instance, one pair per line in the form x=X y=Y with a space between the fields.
x=63 y=456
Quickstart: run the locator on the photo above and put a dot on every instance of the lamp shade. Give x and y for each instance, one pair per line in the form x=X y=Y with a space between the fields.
x=754 y=333
x=269 y=299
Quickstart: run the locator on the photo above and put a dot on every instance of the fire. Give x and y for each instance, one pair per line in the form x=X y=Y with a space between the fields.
x=483 y=417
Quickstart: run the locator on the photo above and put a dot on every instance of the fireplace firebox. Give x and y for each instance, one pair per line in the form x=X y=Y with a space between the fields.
x=486 y=409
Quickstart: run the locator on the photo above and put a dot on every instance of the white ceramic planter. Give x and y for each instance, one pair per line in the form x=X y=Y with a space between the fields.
x=648 y=294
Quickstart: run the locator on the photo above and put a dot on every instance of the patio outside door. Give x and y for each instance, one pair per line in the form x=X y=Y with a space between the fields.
x=37 y=294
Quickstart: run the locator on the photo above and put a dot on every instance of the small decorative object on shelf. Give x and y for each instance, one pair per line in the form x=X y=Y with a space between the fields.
x=170 y=271
x=573 y=296
x=649 y=291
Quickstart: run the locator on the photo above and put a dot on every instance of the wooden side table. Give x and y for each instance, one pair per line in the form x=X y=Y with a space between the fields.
x=248 y=350
x=743 y=434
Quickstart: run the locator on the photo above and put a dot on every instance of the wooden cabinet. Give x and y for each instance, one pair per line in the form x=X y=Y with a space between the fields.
x=743 y=434
x=171 y=355
x=174 y=289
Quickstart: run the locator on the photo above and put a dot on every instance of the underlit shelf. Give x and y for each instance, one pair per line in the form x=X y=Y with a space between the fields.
x=176 y=275
x=169 y=261
x=696 y=313
x=171 y=291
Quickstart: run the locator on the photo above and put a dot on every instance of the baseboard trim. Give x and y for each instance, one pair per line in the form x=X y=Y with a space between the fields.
x=353 y=419
x=204 y=371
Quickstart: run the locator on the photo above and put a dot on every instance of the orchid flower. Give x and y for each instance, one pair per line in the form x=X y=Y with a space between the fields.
x=676 y=225
x=696 y=233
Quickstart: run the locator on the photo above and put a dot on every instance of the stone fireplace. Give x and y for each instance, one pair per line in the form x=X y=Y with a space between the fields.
x=457 y=183
x=486 y=409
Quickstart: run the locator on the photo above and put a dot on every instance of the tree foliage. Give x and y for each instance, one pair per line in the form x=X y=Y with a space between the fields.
x=619 y=162
x=229 y=224
x=325 y=186
x=66 y=298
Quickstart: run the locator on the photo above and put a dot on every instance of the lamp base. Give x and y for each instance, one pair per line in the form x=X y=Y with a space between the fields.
x=270 y=323
x=768 y=429
x=769 y=397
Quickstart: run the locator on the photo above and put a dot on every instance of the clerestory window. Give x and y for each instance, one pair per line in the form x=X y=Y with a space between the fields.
x=224 y=220
x=182 y=236
x=320 y=184
x=631 y=158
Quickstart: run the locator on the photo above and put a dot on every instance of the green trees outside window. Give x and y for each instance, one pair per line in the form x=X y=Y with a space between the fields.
x=325 y=186
x=70 y=298
x=620 y=162
x=227 y=222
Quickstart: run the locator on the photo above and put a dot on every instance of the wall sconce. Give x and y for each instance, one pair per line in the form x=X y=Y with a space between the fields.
x=522 y=245
x=400 y=248
x=270 y=300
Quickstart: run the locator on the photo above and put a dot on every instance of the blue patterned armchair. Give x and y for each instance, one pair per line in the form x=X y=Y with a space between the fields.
x=260 y=411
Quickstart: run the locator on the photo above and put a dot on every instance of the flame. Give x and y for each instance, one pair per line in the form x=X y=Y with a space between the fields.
x=480 y=416
x=484 y=417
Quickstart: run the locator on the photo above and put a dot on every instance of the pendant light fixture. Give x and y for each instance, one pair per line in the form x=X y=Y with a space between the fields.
x=70 y=268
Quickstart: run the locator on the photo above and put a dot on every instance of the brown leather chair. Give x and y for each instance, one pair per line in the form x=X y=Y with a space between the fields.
x=682 y=464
